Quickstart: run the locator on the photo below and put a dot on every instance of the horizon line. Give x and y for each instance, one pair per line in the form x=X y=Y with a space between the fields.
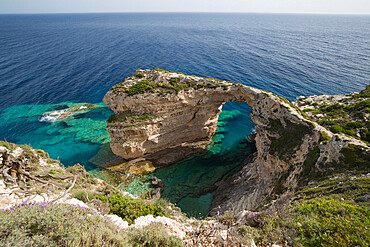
x=184 y=12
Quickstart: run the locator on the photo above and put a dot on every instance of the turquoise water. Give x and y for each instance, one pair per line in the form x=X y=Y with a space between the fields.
x=189 y=182
x=72 y=140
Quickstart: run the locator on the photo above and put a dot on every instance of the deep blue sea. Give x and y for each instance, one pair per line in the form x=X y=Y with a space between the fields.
x=51 y=62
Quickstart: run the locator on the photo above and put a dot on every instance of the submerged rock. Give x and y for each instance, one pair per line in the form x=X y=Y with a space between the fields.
x=68 y=112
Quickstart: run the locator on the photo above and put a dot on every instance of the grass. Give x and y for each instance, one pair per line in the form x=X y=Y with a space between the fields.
x=329 y=222
x=349 y=187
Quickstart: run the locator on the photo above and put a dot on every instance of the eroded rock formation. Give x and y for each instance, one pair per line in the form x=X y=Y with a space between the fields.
x=164 y=116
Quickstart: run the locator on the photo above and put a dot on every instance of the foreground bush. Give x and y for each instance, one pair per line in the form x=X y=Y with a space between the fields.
x=130 y=209
x=56 y=225
x=316 y=222
x=333 y=223
x=153 y=235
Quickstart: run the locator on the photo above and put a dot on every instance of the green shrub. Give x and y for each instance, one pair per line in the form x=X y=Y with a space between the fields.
x=139 y=75
x=324 y=137
x=276 y=228
x=141 y=87
x=174 y=81
x=228 y=219
x=130 y=209
x=355 y=158
x=328 y=222
x=83 y=195
x=336 y=129
x=153 y=235
x=314 y=222
x=130 y=117
x=56 y=225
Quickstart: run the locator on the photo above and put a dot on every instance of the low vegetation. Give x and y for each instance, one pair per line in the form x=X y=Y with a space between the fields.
x=348 y=116
x=327 y=213
x=173 y=85
x=53 y=224
x=56 y=225
x=153 y=235
x=49 y=224
x=130 y=117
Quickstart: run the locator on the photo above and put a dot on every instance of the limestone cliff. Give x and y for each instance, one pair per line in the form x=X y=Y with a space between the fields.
x=291 y=157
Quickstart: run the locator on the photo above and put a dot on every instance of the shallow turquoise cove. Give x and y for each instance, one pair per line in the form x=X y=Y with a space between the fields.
x=72 y=140
x=189 y=182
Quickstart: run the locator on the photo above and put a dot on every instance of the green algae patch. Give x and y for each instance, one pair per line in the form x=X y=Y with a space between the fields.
x=139 y=187
x=130 y=117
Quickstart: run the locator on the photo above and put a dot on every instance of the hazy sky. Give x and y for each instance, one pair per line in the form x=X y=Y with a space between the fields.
x=264 y=6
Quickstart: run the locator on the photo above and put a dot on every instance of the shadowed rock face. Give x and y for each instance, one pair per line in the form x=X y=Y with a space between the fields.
x=165 y=116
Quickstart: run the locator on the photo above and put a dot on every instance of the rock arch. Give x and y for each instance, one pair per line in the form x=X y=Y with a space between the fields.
x=164 y=116
x=165 y=125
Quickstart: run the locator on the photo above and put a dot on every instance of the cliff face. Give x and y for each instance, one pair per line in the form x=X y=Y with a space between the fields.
x=291 y=156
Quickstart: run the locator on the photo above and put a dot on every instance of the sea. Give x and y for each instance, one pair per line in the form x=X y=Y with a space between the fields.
x=50 y=62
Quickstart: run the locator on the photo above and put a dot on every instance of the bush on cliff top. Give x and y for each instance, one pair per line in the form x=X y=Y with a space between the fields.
x=141 y=87
x=289 y=139
x=130 y=117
